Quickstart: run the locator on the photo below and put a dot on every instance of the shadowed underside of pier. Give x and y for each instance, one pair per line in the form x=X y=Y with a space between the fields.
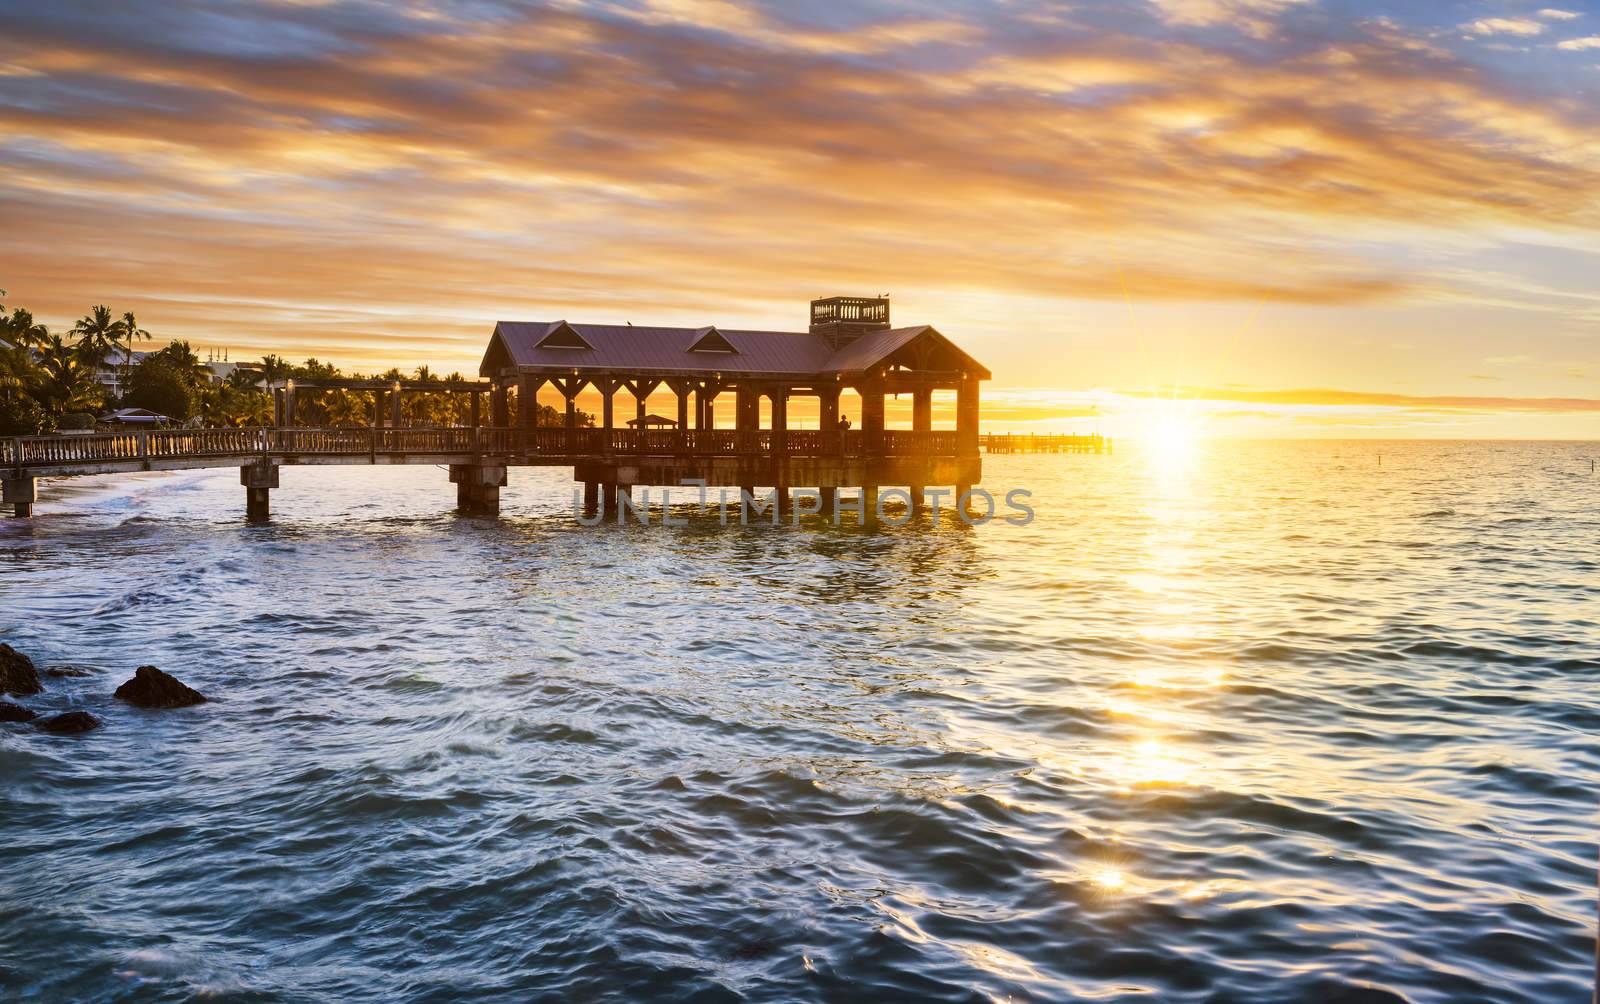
x=606 y=459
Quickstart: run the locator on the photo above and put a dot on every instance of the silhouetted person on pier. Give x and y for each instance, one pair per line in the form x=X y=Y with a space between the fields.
x=844 y=423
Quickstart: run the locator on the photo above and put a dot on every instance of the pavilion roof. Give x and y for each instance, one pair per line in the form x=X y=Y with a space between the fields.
x=558 y=345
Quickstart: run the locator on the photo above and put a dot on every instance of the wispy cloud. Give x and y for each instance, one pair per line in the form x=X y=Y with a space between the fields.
x=378 y=184
x=1580 y=44
x=1505 y=26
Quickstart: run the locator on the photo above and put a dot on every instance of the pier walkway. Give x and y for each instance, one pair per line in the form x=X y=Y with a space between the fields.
x=478 y=457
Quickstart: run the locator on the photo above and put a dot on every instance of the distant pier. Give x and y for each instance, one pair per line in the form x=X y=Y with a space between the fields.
x=1028 y=442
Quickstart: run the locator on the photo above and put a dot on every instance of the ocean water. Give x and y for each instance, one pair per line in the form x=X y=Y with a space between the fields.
x=1262 y=722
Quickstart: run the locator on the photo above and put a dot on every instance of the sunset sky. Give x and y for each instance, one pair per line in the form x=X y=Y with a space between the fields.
x=1293 y=217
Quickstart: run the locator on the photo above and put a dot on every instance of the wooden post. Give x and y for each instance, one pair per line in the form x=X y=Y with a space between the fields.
x=527 y=407
x=967 y=416
x=828 y=407
x=869 y=504
x=499 y=408
x=829 y=503
x=871 y=390
x=921 y=422
x=683 y=407
x=780 y=445
x=607 y=390
x=277 y=407
x=922 y=409
x=288 y=404
x=396 y=415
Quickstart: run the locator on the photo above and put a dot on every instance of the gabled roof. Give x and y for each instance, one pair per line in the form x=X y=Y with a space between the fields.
x=562 y=336
x=711 y=340
x=875 y=347
x=539 y=346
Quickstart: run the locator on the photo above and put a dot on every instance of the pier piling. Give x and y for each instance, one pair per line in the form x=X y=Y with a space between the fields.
x=20 y=493
x=258 y=479
x=478 y=488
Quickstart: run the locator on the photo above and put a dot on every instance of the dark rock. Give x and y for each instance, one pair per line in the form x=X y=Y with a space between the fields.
x=17 y=675
x=70 y=722
x=151 y=688
x=73 y=671
x=15 y=713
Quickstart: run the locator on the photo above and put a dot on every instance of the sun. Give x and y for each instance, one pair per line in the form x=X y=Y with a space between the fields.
x=1171 y=432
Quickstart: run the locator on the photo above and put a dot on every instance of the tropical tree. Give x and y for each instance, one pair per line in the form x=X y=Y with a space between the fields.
x=66 y=378
x=99 y=335
x=227 y=405
x=171 y=382
x=20 y=412
x=131 y=332
x=183 y=360
x=276 y=369
x=242 y=378
x=20 y=330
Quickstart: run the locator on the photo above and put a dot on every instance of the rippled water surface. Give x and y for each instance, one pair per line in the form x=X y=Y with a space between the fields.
x=1273 y=724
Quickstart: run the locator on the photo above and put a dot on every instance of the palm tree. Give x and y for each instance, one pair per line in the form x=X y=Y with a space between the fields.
x=183 y=361
x=241 y=378
x=276 y=369
x=20 y=330
x=68 y=380
x=99 y=335
x=131 y=332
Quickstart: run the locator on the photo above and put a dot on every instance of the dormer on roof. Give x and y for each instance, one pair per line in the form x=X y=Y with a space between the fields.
x=562 y=336
x=709 y=339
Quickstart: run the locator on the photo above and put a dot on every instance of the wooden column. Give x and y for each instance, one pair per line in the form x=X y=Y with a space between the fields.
x=499 y=408
x=871 y=390
x=608 y=389
x=682 y=390
x=828 y=406
x=922 y=409
x=746 y=414
x=967 y=416
x=288 y=404
x=921 y=421
x=780 y=447
x=398 y=415
x=828 y=423
x=570 y=388
x=527 y=405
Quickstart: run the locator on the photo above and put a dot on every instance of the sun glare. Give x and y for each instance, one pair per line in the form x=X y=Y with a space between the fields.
x=1171 y=433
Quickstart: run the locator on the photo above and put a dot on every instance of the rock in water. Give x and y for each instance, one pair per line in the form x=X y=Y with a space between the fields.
x=70 y=722
x=151 y=688
x=15 y=713
x=17 y=675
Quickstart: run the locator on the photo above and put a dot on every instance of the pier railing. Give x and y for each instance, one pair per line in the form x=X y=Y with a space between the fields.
x=246 y=444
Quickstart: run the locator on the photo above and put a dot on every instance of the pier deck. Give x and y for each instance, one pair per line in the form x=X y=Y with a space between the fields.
x=478 y=457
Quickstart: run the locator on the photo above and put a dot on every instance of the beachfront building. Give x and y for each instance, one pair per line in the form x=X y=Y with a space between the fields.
x=849 y=344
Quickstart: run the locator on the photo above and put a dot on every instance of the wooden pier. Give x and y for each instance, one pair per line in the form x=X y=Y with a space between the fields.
x=1029 y=442
x=610 y=459
x=849 y=345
